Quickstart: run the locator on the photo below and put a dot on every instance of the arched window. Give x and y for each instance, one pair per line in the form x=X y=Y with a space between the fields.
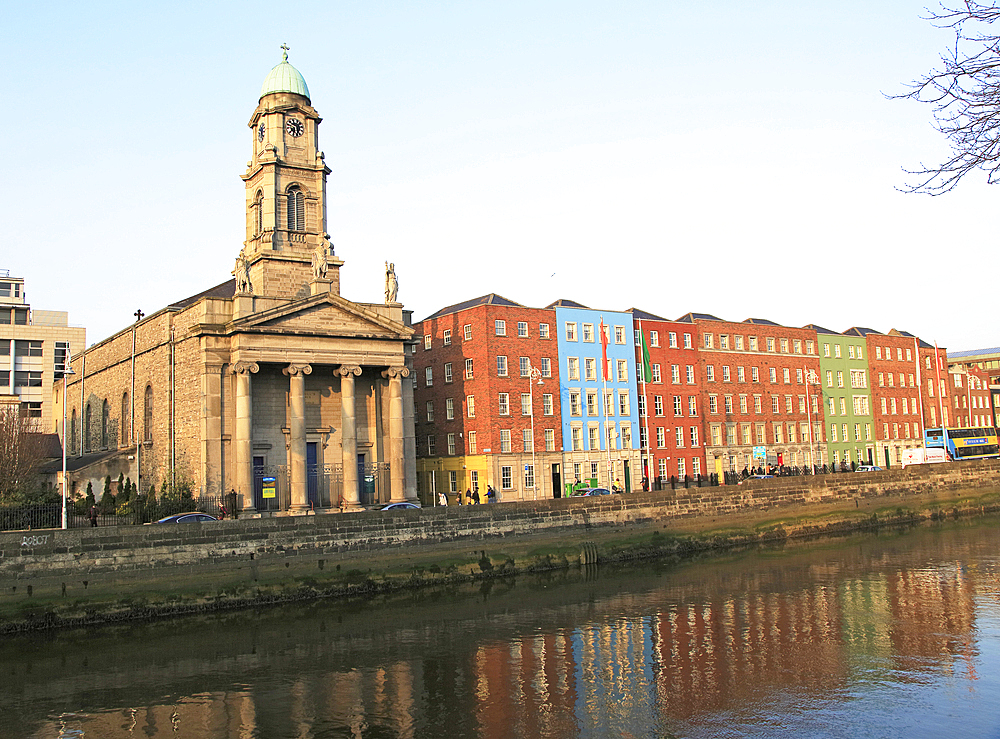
x=148 y=414
x=258 y=216
x=126 y=421
x=296 y=209
x=86 y=428
x=72 y=432
x=105 y=412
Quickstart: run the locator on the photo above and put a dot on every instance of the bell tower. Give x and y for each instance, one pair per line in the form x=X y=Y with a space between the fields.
x=287 y=248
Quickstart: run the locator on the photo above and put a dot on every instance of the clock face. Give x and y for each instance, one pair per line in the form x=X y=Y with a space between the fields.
x=260 y=131
x=294 y=127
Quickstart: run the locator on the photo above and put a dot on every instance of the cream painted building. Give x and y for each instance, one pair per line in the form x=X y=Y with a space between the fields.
x=271 y=384
x=33 y=345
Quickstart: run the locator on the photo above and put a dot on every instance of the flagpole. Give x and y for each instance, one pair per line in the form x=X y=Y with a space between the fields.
x=647 y=467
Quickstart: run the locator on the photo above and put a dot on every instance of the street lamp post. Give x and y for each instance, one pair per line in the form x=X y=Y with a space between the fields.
x=534 y=374
x=67 y=371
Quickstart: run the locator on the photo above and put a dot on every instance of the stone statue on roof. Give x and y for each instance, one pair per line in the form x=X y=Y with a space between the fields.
x=391 y=283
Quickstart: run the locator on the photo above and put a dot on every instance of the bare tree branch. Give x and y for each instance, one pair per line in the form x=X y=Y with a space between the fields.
x=21 y=455
x=965 y=95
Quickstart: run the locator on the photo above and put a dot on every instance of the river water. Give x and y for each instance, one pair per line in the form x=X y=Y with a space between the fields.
x=894 y=634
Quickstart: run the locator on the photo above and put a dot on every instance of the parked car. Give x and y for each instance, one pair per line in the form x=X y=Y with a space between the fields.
x=868 y=468
x=399 y=506
x=193 y=517
x=598 y=491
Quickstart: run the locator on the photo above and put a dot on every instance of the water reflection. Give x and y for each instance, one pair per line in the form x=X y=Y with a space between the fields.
x=876 y=635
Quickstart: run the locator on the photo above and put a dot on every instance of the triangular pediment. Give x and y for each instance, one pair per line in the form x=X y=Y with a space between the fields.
x=326 y=314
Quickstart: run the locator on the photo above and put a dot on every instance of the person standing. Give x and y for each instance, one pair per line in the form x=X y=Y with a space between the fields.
x=442 y=498
x=475 y=496
x=93 y=515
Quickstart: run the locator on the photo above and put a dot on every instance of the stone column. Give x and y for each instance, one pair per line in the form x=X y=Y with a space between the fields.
x=348 y=437
x=243 y=434
x=396 y=456
x=297 y=436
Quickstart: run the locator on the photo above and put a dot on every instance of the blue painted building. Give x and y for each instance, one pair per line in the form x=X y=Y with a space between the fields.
x=600 y=412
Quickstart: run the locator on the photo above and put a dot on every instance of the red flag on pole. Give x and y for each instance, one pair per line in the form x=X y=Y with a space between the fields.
x=604 y=350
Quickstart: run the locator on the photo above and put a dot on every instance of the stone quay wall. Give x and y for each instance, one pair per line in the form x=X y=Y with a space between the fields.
x=81 y=562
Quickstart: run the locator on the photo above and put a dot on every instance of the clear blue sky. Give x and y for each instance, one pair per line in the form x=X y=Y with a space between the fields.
x=732 y=158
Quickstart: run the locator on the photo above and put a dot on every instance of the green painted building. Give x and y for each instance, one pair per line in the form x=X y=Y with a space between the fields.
x=849 y=426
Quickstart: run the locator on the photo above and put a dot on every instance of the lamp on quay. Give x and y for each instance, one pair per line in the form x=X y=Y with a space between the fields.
x=66 y=372
x=534 y=374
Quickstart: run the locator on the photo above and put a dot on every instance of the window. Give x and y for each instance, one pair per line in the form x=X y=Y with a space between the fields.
x=739 y=343
x=545 y=366
x=504 y=404
x=505 y=441
x=570 y=331
x=710 y=373
x=694 y=436
x=786 y=376
x=550 y=440
x=661 y=437
x=784 y=346
x=713 y=404
x=754 y=374
x=757 y=404
x=527 y=443
x=428 y=376
x=447 y=372
x=675 y=374
x=468 y=369
x=501 y=365
x=467 y=332
x=687 y=341
x=522 y=329
x=709 y=340
x=451 y=444
x=588 y=332
x=506 y=478
x=690 y=374
x=524 y=365
x=654 y=338
x=473 y=445
x=788 y=404
x=656 y=373
x=840 y=378
x=658 y=405
x=723 y=341
x=626 y=435
x=662 y=467
x=547 y=404
x=592 y=404
x=728 y=404
x=430 y=444
x=622 y=370
x=126 y=415
x=692 y=405
x=574 y=404
x=741 y=375
x=679 y=436
x=743 y=404
x=594 y=437
x=678 y=411
x=500 y=327
x=576 y=438
x=573 y=368
x=525 y=404
x=430 y=411
x=775 y=404
x=770 y=344
x=798 y=376
x=726 y=377
x=590 y=368
x=543 y=330
x=619 y=334
x=772 y=373
x=470 y=406
x=147 y=415
x=641 y=400
x=446 y=337
x=623 y=403
x=449 y=409
x=899 y=354
x=296 y=207
x=672 y=339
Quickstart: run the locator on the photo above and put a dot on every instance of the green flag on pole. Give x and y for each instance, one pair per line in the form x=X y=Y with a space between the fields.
x=647 y=370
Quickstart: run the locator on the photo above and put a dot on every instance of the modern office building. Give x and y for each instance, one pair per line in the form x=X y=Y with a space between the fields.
x=34 y=347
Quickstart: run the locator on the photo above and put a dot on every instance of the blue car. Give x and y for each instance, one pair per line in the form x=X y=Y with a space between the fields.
x=399 y=506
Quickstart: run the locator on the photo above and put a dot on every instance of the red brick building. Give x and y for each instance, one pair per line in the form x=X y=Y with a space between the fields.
x=670 y=411
x=475 y=400
x=754 y=393
x=897 y=392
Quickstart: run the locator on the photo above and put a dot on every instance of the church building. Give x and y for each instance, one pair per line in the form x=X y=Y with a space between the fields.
x=271 y=384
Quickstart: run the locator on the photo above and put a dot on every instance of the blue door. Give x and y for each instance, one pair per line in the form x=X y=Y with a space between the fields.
x=312 y=487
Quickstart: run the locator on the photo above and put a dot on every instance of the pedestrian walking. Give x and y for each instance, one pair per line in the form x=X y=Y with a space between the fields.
x=475 y=496
x=93 y=515
x=442 y=498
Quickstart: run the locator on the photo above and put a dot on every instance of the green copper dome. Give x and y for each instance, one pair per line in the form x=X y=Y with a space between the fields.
x=285 y=78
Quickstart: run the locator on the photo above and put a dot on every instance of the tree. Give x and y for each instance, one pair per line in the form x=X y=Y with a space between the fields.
x=21 y=455
x=965 y=95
